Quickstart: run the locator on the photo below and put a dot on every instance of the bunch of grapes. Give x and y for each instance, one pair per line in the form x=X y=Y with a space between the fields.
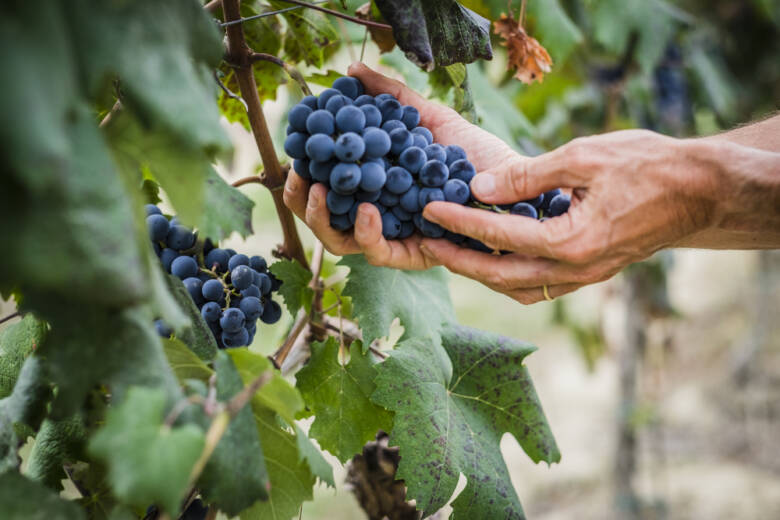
x=372 y=149
x=231 y=290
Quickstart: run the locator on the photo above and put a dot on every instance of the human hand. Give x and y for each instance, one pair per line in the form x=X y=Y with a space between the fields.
x=634 y=192
x=448 y=127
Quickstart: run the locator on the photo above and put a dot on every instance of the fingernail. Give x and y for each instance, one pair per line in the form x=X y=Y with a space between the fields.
x=484 y=185
x=314 y=201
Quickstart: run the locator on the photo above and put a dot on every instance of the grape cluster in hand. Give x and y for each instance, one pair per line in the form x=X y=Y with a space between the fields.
x=232 y=291
x=368 y=149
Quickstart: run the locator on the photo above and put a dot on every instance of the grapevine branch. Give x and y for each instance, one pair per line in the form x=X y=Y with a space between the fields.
x=289 y=69
x=9 y=317
x=354 y=19
x=263 y=15
x=239 y=55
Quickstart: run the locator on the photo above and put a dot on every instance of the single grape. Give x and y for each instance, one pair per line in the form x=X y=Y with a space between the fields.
x=455 y=238
x=194 y=286
x=271 y=312
x=384 y=96
x=349 y=86
x=407 y=228
x=157 y=249
x=258 y=263
x=320 y=171
x=537 y=201
x=388 y=198
x=436 y=152
x=241 y=276
x=454 y=153
x=400 y=213
x=393 y=124
x=217 y=258
x=473 y=243
x=295 y=145
x=232 y=320
x=352 y=213
x=377 y=142
x=210 y=312
x=179 y=238
x=364 y=99
x=339 y=204
x=163 y=330
x=167 y=256
x=212 y=290
x=252 y=290
x=434 y=174
x=391 y=109
x=231 y=252
x=413 y=158
x=399 y=180
x=158 y=227
x=410 y=200
x=251 y=307
x=264 y=282
x=463 y=170
x=559 y=205
x=345 y=178
x=421 y=130
x=301 y=167
x=208 y=246
x=400 y=140
x=236 y=260
x=175 y=221
x=427 y=195
x=457 y=191
x=151 y=209
x=288 y=130
x=310 y=101
x=340 y=222
x=321 y=122
x=391 y=226
x=523 y=209
x=419 y=141
x=350 y=119
x=372 y=176
x=410 y=117
x=379 y=206
x=368 y=196
x=431 y=229
x=372 y=114
x=238 y=338
x=336 y=103
x=298 y=115
x=349 y=147
x=319 y=147
x=325 y=97
x=549 y=196
x=184 y=267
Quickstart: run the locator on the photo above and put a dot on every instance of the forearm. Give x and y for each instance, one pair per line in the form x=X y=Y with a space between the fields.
x=741 y=187
x=764 y=135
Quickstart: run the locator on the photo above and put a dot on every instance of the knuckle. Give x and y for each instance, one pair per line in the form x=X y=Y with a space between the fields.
x=518 y=178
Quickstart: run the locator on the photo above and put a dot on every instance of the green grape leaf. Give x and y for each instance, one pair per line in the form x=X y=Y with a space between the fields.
x=226 y=210
x=134 y=439
x=28 y=402
x=184 y=363
x=291 y=481
x=345 y=418
x=295 y=284
x=445 y=426
x=420 y=299
x=437 y=32
x=235 y=476
x=197 y=336
x=276 y=394
x=23 y=499
x=308 y=35
x=17 y=342
x=325 y=79
x=309 y=453
x=88 y=346
x=57 y=442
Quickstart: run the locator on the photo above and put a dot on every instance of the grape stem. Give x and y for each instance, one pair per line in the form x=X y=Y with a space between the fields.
x=354 y=19
x=238 y=54
x=300 y=323
x=10 y=317
x=289 y=69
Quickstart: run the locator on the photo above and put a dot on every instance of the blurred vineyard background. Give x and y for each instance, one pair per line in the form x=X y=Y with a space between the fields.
x=661 y=385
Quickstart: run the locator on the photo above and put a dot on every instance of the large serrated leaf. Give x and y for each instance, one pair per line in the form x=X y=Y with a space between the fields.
x=55 y=443
x=197 y=336
x=379 y=294
x=134 y=439
x=18 y=341
x=226 y=210
x=308 y=452
x=184 y=362
x=308 y=35
x=23 y=499
x=235 y=476
x=339 y=396
x=437 y=32
x=295 y=284
x=446 y=426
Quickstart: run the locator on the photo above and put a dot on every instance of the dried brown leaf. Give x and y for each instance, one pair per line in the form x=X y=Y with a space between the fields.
x=526 y=55
x=382 y=37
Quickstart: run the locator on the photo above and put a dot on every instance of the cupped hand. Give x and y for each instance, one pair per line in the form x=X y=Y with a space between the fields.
x=448 y=127
x=634 y=192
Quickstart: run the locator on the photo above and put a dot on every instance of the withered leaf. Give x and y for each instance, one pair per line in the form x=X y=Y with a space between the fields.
x=526 y=55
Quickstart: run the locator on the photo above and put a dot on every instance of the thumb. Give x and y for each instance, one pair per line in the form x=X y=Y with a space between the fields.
x=527 y=177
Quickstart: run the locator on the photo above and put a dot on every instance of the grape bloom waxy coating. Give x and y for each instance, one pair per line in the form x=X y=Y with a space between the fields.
x=372 y=150
x=231 y=290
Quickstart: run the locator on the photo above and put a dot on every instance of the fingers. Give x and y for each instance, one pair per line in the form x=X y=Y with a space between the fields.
x=529 y=296
x=554 y=238
x=296 y=191
x=570 y=166
x=399 y=254
x=317 y=217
